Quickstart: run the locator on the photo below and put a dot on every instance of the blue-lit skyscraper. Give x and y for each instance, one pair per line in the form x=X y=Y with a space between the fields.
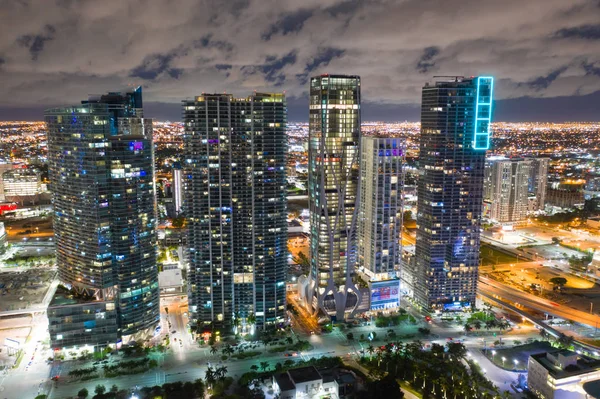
x=455 y=134
x=101 y=164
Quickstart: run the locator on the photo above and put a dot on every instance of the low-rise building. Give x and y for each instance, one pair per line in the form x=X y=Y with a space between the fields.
x=78 y=321
x=561 y=374
x=305 y=383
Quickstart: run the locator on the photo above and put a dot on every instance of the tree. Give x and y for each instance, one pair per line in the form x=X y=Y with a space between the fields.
x=350 y=336
x=210 y=377
x=477 y=324
x=456 y=350
x=264 y=365
x=114 y=389
x=386 y=387
x=100 y=389
x=558 y=281
x=83 y=393
x=424 y=331
x=407 y=216
x=254 y=367
x=468 y=327
x=213 y=350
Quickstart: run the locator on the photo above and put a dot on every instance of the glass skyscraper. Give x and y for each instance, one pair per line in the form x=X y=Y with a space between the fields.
x=333 y=174
x=506 y=188
x=101 y=165
x=380 y=210
x=455 y=134
x=236 y=207
x=380 y=219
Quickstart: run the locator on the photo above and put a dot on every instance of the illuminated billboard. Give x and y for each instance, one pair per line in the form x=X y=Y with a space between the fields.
x=385 y=294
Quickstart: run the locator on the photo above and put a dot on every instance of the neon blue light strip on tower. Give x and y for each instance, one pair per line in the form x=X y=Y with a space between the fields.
x=483 y=112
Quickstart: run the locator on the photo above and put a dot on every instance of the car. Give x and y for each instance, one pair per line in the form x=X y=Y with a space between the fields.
x=55 y=378
x=450 y=339
x=173 y=332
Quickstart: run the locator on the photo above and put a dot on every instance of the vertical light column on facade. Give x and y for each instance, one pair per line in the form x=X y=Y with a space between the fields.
x=235 y=158
x=455 y=122
x=101 y=165
x=177 y=188
x=334 y=144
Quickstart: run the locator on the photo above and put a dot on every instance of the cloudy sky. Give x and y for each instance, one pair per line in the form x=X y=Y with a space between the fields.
x=545 y=54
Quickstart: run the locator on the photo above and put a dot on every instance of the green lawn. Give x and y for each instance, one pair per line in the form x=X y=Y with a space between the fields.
x=491 y=256
x=520 y=353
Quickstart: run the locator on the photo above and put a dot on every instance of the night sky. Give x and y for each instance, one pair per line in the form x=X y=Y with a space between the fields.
x=545 y=54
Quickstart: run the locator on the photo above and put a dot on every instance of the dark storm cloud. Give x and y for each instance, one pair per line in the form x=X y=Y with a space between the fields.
x=542 y=82
x=209 y=41
x=426 y=62
x=588 y=32
x=152 y=67
x=591 y=69
x=273 y=66
x=323 y=58
x=289 y=23
x=58 y=51
x=35 y=43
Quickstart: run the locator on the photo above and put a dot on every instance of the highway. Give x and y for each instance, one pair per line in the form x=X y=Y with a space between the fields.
x=491 y=287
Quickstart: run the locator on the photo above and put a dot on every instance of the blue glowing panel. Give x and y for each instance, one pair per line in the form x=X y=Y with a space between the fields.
x=483 y=112
x=136 y=146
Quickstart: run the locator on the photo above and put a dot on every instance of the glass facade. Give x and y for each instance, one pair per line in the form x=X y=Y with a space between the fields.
x=334 y=146
x=506 y=188
x=455 y=117
x=236 y=206
x=380 y=210
x=101 y=165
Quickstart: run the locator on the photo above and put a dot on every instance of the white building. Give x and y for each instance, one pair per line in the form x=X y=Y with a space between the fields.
x=380 y=218
x=562 y=374
x=19 y=183
x=506 y=188
x=305 y=383
x=177 y=189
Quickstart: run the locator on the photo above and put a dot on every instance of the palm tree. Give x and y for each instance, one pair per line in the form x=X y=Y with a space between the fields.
x=468 y=327
x=371 y=350
x=477 y=324
x=289 y=340
x=213 y=349
x=264 y=365
x=210 y=377
x=254 y=367
x=221 y=372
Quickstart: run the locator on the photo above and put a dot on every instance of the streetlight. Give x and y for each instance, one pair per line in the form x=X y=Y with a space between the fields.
x=503 y=359
x=516 y=362
x=493 y=354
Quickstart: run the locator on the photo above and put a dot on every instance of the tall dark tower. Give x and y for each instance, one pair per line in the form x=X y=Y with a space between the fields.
x=236 y=206
x=101 y=164
x=333 y=174
x=455 y=134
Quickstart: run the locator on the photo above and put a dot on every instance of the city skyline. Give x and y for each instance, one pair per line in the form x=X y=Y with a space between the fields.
x=543 y=53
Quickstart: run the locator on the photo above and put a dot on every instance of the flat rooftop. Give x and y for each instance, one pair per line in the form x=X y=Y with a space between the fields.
x=64 y=297
x=304 y=374
x=584 y=364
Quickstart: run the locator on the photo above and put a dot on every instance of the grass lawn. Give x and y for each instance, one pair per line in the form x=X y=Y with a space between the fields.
x=491 y=256
x=520 y=353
